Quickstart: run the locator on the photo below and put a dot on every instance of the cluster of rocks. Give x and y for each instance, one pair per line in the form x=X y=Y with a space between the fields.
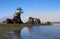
x=15 y=20
x=34 y=21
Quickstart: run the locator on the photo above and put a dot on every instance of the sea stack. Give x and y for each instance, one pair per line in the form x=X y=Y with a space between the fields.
x=17 y=16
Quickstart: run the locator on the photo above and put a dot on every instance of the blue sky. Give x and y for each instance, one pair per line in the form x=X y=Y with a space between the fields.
x=42 y=9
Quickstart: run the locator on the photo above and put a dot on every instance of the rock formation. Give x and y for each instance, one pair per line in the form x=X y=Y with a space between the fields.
x=48 y=22
x=37 y=21
x=17 y=18
x=31 y=20
x=34 y=21
x=8 y=21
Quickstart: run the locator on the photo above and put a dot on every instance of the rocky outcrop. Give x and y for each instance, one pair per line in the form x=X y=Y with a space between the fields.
x=8 y=21
x=34 y=21
x=31 y=20
x=48 y=22
x=37 y=21
x=17 y=19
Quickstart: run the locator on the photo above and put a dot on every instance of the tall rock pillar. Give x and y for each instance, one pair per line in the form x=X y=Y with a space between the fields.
x=17 y=16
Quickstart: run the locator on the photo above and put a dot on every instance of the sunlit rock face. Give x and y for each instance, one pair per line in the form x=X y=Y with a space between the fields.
x=34 y=21
x=37 y=21
x=31 y=20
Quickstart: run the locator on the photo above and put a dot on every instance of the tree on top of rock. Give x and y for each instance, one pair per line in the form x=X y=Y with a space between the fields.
x=17 y=16
x=19 y=9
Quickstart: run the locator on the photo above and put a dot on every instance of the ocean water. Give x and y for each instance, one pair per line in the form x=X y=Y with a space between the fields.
x=38 y=32
x=41 y=32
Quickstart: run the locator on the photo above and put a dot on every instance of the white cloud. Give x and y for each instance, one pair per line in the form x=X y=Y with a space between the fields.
x=44 y=16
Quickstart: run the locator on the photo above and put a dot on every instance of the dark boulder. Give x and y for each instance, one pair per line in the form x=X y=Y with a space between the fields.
x=8 y=21
x=48 y=22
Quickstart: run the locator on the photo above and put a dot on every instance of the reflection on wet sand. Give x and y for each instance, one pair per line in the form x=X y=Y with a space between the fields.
x=19 y=32
x=15 y=33
x=36 y=32
x=41 y=32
